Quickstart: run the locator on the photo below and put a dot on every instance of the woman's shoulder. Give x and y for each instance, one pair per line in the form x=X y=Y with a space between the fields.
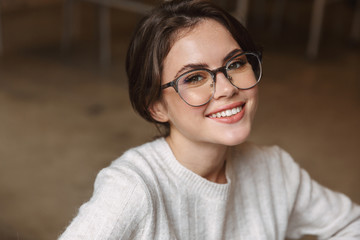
x=134 y=169
x=119 y=204
x=123 y=197
x=271 y=159
x=140 y=161
x=260 y=152
x=144 y=152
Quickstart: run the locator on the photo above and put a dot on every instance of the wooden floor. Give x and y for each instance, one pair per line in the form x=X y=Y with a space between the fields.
x=63 y=117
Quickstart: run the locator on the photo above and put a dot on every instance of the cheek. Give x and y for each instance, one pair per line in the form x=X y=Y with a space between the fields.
x=180 y=111
x=256 y=98
x=181 y=114
x=174 y=103
x=252 y=96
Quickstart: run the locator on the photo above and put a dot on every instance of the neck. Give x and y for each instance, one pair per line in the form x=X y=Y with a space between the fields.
x=205 y=159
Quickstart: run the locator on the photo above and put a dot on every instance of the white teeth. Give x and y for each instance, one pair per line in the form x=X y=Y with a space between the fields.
x=226 y=113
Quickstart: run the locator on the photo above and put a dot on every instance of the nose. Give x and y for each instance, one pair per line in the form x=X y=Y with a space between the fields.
x=223 y=86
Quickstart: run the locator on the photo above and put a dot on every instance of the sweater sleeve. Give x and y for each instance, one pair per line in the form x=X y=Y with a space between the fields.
x=316 y=210
x=116 y=210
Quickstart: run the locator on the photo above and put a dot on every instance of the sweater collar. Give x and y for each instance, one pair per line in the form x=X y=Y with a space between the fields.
x=194 y=181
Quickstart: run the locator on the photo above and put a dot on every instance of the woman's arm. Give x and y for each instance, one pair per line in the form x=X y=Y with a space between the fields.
x=115 y=211
x=317 y=210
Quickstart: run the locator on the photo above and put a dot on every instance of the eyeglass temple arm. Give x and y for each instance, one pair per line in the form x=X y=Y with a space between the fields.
x=169 y=84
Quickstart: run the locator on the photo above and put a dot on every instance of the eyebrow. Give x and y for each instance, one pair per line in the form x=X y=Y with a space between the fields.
x=189 y=67
x=193 y=66
x=231 y=54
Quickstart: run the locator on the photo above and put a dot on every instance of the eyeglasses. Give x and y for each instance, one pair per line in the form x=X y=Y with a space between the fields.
x=197 y=87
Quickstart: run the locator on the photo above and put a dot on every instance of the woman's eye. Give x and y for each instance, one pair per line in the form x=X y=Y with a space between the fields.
x=193 y=79
x=236 y=64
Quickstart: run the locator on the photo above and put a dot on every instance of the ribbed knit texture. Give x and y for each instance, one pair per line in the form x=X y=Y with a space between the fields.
x=148 y=194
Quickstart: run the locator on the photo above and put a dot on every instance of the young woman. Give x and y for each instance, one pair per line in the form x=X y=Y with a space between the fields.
x=193 y=70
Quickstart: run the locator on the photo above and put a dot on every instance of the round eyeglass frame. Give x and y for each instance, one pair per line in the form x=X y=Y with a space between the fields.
x=213 y=73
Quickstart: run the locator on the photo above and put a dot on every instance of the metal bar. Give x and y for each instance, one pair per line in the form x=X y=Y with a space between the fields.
x=105 y=33
x=241 y=11
x=1 y=41
x=68 y=22
x=355 y=28
x=315 y=28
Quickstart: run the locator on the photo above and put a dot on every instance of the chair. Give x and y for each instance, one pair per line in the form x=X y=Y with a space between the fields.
x=104 y=22
x=241 y=11
x=318 y=10
x=316 y=24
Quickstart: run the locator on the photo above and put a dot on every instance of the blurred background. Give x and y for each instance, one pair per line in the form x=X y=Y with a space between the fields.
x=65 y=113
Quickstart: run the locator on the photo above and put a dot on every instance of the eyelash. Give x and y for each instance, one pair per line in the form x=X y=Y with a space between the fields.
x=190 y=79
x=241 y=62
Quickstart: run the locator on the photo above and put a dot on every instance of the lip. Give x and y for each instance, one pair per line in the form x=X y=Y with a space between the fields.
x=232 y=119
x=226 y=107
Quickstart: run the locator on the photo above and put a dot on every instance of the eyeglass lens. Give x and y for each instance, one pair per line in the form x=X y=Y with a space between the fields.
x=197 y=87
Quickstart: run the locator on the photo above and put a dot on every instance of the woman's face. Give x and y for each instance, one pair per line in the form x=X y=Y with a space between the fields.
x=208 y=45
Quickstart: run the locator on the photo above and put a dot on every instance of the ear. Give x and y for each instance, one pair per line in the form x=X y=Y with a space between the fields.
x=158 y=111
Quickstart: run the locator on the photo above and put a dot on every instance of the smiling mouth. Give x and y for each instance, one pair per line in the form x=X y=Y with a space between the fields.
x=227 y=112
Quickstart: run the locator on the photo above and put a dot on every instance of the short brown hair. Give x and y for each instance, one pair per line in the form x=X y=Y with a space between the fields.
x=153 y=39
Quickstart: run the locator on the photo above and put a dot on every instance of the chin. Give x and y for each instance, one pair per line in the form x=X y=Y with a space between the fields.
x=235 y=138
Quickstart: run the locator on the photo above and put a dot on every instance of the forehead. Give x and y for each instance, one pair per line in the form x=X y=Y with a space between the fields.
x=205 y=33
x=208 y=42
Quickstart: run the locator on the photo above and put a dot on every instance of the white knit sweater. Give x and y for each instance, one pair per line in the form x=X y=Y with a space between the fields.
x=148 y=194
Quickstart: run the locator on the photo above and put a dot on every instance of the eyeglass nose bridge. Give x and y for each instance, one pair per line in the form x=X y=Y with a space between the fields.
x=223 y=71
